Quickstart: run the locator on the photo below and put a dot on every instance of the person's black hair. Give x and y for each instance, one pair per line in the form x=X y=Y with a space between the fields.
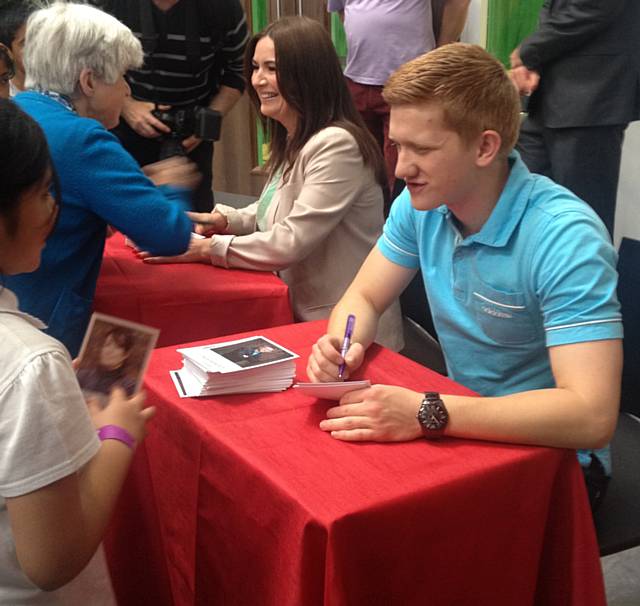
x=13 y=15
x=24 y=161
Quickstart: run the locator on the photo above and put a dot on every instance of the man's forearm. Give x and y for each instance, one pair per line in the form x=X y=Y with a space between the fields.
x=454 y=18
x=546 y=417
x=580 y=412
x=366 y=315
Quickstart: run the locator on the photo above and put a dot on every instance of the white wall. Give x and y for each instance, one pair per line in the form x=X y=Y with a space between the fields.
x=475 y=31
x=628 y=207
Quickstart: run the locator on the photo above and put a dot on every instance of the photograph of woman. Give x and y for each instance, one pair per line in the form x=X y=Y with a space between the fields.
x=113 y=356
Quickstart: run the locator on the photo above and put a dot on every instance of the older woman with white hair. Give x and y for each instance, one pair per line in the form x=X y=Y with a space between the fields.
x=75 y=58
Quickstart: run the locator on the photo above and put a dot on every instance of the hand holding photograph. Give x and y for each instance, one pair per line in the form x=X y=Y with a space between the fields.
x=114 y=353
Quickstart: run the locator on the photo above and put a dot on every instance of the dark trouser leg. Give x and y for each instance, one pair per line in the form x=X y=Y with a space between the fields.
x=584 y=160
x=587 y=161
x=146 y=151
x=533 y=149
x=597 y=481
x=360 y=96
x=202 y=156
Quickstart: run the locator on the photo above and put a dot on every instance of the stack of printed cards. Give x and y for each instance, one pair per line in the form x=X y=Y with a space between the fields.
x=254 y=364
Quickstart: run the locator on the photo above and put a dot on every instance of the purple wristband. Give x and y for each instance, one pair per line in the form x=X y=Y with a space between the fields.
x=114 y=432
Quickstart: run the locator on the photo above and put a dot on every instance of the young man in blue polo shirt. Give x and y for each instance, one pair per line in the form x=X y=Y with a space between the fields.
x=519 y=273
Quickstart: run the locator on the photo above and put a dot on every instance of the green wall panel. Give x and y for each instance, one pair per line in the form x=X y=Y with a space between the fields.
x=339 y=37
x=508 y=23
x=259 y=20
x=259 y=15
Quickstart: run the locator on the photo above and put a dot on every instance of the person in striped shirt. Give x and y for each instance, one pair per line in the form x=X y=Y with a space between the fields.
x=193 y=58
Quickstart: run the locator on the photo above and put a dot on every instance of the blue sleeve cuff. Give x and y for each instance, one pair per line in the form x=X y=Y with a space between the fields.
x=396 y=254
x=581 y=332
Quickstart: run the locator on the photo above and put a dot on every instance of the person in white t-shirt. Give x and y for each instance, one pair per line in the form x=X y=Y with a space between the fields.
x=62 y=461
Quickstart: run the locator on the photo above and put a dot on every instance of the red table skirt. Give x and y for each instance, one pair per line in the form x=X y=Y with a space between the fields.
x=242 y=500
x=188 y=301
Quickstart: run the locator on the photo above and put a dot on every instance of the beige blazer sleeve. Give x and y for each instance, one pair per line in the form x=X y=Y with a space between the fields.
x=240 y=221
x=326 y=178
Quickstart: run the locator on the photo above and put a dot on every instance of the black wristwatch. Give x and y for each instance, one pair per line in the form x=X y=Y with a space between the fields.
x=432 y=415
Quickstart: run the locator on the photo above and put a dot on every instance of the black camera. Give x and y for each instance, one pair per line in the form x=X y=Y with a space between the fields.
x=202 y=122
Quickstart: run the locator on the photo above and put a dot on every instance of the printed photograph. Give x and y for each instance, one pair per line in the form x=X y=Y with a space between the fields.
x=114 y=353
x=252 y=352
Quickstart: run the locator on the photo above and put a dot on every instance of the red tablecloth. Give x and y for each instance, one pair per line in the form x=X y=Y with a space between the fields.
x=188 y=301
x=242 y=500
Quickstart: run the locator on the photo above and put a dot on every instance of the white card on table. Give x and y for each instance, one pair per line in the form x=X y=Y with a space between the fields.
x=331 y=391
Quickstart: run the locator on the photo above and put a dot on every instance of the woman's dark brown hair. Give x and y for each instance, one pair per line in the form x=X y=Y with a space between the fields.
x=310 y=80
x=122 y=337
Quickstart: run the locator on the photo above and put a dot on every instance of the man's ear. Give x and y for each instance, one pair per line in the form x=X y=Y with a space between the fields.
x=86 y=82
x=488 y=147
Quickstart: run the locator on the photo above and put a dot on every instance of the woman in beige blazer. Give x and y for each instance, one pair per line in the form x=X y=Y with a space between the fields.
x=321 y=211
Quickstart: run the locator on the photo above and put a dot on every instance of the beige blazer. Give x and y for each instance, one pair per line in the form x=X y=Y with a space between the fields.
x=322 y=224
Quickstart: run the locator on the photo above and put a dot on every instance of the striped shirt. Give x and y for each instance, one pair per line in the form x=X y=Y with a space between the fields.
x=169 y=76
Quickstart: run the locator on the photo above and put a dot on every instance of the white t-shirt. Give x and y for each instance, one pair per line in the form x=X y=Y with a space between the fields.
x=45 y=435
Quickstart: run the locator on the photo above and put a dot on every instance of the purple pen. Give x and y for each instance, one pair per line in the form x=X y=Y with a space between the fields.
x=346 y=342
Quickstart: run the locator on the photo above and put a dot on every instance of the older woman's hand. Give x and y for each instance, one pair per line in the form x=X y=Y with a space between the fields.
x=178 y=171
x=207 y=224
x=139 y=117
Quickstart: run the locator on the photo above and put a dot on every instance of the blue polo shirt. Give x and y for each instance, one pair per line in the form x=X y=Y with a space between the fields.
x=541 y=272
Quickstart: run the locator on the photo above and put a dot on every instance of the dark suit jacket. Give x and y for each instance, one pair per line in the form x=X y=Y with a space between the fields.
x=588 y=56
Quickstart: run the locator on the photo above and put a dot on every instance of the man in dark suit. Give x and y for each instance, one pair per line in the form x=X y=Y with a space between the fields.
x=582 y=70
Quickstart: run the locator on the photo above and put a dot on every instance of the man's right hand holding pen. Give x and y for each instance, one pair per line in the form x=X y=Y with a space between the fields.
x=382 y=413
x=325 y=359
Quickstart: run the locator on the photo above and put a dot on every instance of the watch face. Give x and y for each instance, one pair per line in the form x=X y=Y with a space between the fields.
x=435 y=417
